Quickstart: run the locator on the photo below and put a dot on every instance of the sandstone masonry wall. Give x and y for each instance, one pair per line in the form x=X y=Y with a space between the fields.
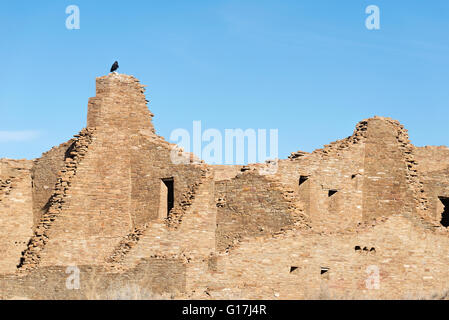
x=16 y=211
x=110 y=186
x=142 y=219
x=44 y=175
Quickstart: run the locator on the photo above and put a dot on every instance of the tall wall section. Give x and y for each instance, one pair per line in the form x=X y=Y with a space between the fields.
x=111 y=181
x=371 y=174
x=433 y=164
x=328 y=182
x=16 y=211
x=384 y=184
x=251 y=204
x=44 y=175
x=392 y=182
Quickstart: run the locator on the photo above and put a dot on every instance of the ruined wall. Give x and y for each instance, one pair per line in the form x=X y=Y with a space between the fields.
x=91 y=207
x=410 y=263
x=16 y=211
x=250 y=204
x=96 y=282
x=370 y=174
x=44 y=175
x=225 y=172
x=151 y=163
x=433 y=164
x=330 y=189
x=58 y=204
x=191 y=241
x=192 y=237
x=436 y=184
x=120 y=109
x=110 y=184
x=310 y=226
x=432 y=158
x=384 y=184
x=328 y=182
x=308 y=265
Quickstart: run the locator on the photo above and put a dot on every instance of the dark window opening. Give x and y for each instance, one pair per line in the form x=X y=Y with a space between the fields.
x=359 y=249
x=169 y=183
x=445 y=214
x=324 y=270
x=331 y=193
x=293 y=268
x=353 y=176
x=303 y=179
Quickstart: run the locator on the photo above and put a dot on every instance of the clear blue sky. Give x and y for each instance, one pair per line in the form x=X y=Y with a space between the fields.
x=309 y=68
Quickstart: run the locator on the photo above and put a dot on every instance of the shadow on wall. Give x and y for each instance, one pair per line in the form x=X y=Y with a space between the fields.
x=445 y=214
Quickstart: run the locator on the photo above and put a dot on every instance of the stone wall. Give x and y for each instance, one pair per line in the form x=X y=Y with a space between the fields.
x=384 y=185
x=44 y=175
x=193 y=238
x=142 y=219
x=433 y=163
x=251 y=204
x=110 y=182
x=410 y=261
x=16 y=211
x=96 y=282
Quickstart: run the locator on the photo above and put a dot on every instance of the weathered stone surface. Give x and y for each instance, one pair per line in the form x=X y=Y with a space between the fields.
x=316 y=227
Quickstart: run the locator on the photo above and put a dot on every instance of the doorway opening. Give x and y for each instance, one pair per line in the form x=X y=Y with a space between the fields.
x=170 y=192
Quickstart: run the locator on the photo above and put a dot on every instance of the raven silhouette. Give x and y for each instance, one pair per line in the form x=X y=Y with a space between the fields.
x=114 y=66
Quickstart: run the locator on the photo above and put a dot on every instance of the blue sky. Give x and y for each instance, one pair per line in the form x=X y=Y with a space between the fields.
x=308 y=68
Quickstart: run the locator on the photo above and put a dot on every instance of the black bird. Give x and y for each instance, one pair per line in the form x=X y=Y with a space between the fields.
x=114 y=66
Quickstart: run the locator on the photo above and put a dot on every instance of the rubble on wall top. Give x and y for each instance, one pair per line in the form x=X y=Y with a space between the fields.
x=16 y=163
x=358 y=136
x=64 y=144
x=122 y=78
x=442 y=147
x=297 y=154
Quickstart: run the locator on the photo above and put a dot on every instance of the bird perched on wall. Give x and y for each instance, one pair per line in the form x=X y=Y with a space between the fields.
x=114 y=66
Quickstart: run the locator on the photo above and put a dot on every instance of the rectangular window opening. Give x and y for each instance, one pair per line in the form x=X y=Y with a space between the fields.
x=324 y=270
x=303 y=179
x=169 y=184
